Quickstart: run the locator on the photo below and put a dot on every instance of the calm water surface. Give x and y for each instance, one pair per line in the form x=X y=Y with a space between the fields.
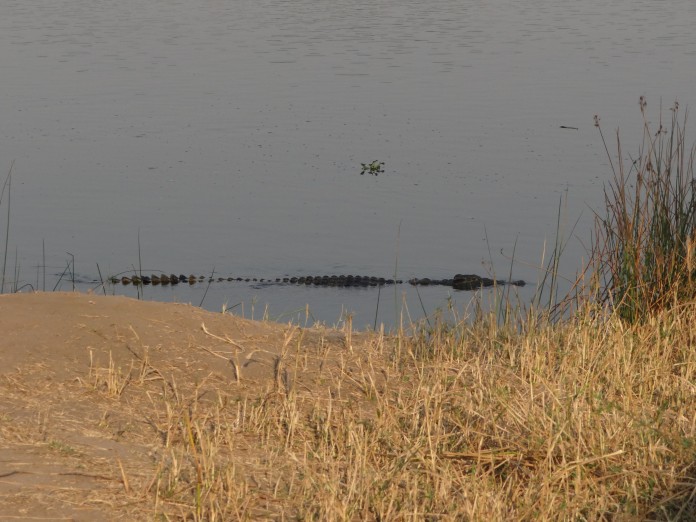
x=228 y=136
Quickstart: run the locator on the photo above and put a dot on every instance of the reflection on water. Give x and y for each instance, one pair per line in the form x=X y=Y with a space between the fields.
x=229 y=135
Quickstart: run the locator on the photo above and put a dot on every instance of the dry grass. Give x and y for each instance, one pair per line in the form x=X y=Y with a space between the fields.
x=586 y=420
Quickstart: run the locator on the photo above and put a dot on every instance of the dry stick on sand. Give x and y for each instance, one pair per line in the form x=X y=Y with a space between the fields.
x=232 y=360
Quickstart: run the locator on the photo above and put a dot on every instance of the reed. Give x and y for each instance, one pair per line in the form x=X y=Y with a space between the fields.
x=6 y=187
x=643 y=253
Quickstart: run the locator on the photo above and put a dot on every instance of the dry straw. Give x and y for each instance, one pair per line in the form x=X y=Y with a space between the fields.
x=591 y=418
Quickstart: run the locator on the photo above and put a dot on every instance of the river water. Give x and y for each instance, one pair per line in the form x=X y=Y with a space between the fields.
x=228 y=135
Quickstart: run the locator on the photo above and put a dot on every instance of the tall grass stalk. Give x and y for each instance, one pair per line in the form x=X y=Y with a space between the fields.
x=6 y=185
x=643 y=254
x=546 y=300
x=43 y=264
x=396 y=273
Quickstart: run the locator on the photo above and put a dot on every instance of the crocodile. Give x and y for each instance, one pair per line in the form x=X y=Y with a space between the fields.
x=457 y=282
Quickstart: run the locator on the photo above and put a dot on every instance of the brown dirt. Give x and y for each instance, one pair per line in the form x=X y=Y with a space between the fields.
x=76 y=441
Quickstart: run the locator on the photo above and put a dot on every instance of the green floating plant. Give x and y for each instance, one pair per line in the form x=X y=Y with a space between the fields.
x=373 y=168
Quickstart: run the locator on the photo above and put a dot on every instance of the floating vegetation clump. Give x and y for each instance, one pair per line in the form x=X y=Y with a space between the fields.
x=375 y=168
